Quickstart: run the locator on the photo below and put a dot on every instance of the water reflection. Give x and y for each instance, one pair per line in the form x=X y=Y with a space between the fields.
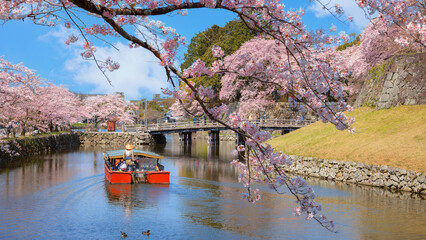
x=65 y=196
x=376 y=211
x=131 y=197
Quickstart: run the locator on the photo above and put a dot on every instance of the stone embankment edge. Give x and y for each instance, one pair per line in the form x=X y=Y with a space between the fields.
x=23 y=147
x=394 y=179
x=118 y=138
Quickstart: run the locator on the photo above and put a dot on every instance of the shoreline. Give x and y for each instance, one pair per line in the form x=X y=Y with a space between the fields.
x=381 y=176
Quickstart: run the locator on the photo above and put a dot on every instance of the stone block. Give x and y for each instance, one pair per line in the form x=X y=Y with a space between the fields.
x=421 y=179
x=389 y=183
x=384 y=169
x=359 y=165
x=388 y=84
x=394 y=92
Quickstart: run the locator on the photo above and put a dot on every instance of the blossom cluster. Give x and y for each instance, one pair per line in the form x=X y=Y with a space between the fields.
x=104 y=30
x=217 y=51
x=407 y=14
x=71 y=39
x=198 y=69
x=111 y=65
x=170 y=47
x=217 y=112
x=89 y=50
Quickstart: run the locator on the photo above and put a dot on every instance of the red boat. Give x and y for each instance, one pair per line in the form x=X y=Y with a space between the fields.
x=147 y=168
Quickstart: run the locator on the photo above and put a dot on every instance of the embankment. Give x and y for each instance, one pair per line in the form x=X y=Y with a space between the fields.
x=28 y=146
x=395 y=179
x=20 y=148
x=119 y=138
x=387 y=149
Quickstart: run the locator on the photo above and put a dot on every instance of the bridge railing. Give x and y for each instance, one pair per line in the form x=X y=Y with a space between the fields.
x=178 y=125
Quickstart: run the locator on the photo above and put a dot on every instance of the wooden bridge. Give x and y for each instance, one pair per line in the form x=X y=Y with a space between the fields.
x=186 y=128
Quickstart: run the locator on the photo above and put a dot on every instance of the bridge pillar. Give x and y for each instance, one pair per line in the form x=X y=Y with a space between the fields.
x=239 y=139
x=185 y=137
x=214 y=137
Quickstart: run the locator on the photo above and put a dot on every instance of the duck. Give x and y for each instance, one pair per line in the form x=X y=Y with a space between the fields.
x=147 y=232
x=123 y=234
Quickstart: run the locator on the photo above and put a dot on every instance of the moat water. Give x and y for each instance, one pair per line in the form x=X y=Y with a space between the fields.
x=65 y=196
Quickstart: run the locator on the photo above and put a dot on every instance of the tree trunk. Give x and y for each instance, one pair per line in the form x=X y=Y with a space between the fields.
x=96 y=124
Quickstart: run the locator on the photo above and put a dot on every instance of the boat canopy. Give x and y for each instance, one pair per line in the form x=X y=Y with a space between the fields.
x=119 y=154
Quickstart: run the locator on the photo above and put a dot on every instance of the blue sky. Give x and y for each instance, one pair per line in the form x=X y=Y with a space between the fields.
x=43 y=50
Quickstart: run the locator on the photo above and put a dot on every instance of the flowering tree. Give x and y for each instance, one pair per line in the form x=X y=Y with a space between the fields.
x=56 y=107
x=17 y=90
x=102 y=108
x=260 y=71
x=26 y=101
x=378 y=42
x=313 y=78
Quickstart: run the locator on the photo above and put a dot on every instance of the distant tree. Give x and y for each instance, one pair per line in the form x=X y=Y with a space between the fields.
x=102 y=108
x=253 y=80
x=17 y=90
x=378 y=42
x=156 y=109
x=55 y=106
x=27 y=101
x=229 y=38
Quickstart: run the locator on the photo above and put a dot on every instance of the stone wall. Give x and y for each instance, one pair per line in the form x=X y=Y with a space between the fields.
x=21 y=147
x=399 y=81
x=359 y=173
x=115 y=138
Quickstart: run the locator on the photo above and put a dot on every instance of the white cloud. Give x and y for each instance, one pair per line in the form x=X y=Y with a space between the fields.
x=350 y=7
x=139 y=72
x=60 y=33
x=139 y=75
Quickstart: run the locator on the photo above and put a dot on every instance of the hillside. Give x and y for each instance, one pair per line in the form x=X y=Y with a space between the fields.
x=394 y=137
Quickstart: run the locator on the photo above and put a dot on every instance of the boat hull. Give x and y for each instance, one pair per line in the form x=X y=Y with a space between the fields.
x=129 y=177
x=117 y=176
x=158 y=177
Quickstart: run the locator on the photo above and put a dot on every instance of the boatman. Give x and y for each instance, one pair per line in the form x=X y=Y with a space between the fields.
x=129 y=156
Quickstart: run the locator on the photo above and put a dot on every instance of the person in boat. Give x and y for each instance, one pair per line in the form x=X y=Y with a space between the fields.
x=129 y=156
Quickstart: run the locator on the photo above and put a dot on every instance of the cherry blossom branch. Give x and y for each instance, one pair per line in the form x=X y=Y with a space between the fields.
x=84 y=36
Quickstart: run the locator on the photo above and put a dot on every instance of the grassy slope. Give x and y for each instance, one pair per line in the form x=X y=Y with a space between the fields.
x=394 y=137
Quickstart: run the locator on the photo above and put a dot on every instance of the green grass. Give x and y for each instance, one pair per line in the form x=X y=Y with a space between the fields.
x=79 y=124
x=394 y=137
x=36 y=136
